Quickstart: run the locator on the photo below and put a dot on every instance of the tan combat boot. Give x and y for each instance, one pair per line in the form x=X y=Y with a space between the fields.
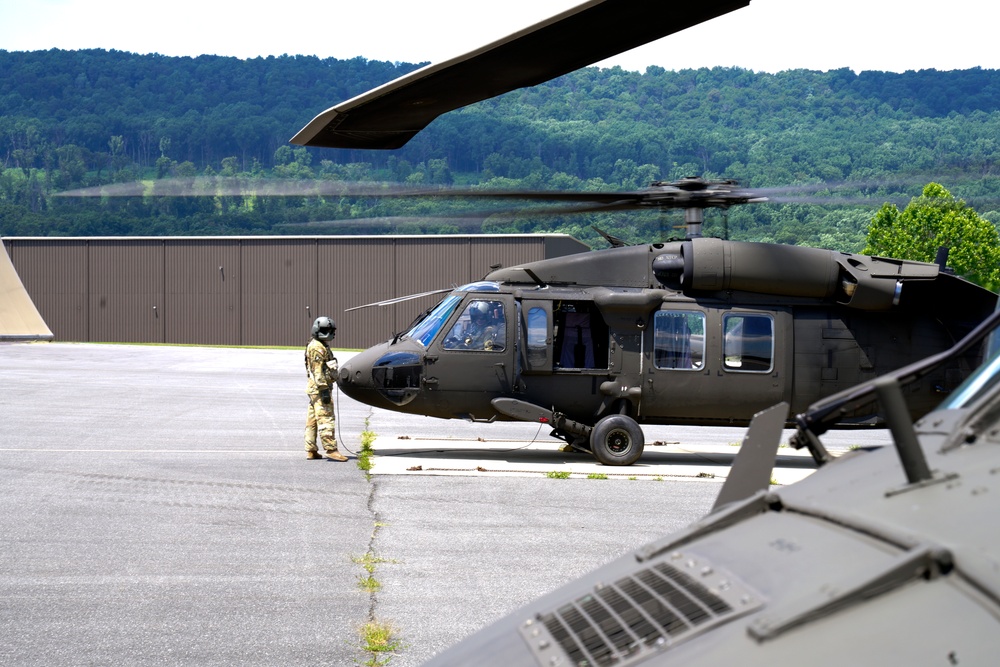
x=313 y=455
x=335 y=455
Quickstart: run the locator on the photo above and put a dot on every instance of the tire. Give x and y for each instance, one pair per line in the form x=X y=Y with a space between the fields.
x=617 y=441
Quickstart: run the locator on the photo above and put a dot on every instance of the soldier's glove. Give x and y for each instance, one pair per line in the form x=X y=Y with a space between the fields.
x=333 y=366
x=324 y=395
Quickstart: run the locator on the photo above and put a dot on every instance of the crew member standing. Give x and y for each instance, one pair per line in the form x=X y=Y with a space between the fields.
x=321 y=372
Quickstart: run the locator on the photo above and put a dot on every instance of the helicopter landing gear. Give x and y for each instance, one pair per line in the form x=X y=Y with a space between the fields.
x=617 y=440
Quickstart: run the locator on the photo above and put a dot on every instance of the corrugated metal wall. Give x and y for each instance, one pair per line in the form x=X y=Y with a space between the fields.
x=252 y=290
x=57 y=269
x=279 y=296
x=203 y=300
x=126 y=299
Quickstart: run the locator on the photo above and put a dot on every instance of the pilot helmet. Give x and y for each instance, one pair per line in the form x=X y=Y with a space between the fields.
x=324 y=329
x=479 y=311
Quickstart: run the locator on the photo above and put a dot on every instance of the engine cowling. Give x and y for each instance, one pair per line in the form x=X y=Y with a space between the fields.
x=858 y=281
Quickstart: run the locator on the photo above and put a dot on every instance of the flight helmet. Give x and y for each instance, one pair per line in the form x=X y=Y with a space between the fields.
x=324 y=329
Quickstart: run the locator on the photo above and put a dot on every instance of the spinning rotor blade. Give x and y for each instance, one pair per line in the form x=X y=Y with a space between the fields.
x=390 y=115
x=686 y=193
x=691 y=194
x=208 y=186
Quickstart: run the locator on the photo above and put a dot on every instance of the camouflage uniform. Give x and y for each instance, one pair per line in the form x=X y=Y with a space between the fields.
x=320 y=377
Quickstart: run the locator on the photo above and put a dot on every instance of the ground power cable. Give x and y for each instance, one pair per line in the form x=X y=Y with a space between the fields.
x=338 y=431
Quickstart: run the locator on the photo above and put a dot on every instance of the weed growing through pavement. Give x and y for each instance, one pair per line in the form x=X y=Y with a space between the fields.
x=370 y=560
x=597 y=475
x=378 y=639
x=369 y=584
x=365 y=455
x=558 y=474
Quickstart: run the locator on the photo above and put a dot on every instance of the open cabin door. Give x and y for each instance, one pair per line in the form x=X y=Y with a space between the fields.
x=563 y=336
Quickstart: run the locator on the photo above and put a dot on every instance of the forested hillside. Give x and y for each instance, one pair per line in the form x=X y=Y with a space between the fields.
x=70 y=119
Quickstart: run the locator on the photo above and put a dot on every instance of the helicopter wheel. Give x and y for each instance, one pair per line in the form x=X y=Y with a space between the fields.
x=617 y=441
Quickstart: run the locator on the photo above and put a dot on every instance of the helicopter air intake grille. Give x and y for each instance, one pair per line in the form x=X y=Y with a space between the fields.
x=645 y=612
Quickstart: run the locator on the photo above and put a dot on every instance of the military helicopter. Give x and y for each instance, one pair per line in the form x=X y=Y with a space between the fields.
x=885 y=555
x=699 y=331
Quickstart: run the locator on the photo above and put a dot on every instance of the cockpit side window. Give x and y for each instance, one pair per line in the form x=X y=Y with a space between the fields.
x=481 y=326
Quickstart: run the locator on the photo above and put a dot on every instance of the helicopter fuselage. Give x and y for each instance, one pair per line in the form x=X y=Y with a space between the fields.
x=655 y=346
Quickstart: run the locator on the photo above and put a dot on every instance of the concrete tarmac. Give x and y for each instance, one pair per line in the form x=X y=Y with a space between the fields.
x=159 y=510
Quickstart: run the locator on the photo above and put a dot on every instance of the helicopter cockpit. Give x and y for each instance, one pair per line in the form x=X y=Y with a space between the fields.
x=482 y=322
x=468 y=328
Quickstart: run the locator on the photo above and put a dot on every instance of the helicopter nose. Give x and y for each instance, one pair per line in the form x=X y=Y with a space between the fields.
x=393 y=376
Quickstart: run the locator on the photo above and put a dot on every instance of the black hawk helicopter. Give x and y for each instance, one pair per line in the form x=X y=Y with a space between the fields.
x=701 y=331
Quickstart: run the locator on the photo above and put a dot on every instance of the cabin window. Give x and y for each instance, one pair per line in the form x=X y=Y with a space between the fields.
x=538 y=329
x=679 y=339
x=749 y=342
x=581 y=335
x=481 y=326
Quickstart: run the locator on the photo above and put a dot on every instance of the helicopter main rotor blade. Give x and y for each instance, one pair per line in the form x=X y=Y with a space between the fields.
x=398 y=299
x=242 y=187
x=678 y=194
x=685 y=193
x=390 y=115
x=213 y=186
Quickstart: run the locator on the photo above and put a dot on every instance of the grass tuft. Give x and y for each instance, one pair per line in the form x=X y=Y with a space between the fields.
x=365 y=455
x=369 y=584
x=378 y=639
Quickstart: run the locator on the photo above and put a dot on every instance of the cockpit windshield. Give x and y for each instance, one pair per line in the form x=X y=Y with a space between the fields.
x=427 y=328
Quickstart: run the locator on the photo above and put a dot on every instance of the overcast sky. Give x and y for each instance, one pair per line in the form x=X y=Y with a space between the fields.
x=769 y=35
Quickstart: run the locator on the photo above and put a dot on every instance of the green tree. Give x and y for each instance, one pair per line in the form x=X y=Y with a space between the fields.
x=933 y=220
